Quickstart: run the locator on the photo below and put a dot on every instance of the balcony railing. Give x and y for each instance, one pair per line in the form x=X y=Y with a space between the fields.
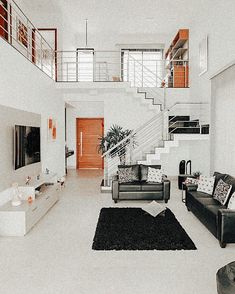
x=109 y=66
x=19 y=32
x=86 y=64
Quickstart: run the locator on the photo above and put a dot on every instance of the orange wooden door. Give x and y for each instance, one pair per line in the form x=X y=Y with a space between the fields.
x=88 y=133
x=3 y=19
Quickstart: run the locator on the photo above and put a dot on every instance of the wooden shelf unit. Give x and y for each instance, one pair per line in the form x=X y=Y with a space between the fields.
x=177 y=57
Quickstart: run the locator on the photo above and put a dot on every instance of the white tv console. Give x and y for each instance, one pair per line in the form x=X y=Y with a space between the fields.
x=17 y=221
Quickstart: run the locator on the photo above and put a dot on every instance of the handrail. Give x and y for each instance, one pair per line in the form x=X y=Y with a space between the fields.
x=149 y=121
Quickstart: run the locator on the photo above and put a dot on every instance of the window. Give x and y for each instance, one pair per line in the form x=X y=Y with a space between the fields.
x=85 y=65
x=142 y=67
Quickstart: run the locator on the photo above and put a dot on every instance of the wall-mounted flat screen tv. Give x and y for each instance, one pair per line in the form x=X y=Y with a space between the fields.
x=27 y=148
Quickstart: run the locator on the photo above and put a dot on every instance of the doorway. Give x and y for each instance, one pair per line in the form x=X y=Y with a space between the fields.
x=89 y=130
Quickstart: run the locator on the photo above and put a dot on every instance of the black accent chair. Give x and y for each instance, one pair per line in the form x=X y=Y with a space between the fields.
x=141 y=190
x=219 y=220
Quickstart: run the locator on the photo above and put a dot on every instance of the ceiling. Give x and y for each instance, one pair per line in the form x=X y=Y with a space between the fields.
x=112 y=21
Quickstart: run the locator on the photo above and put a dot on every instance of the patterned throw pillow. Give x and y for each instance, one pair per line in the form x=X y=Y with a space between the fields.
x=191 y=181
x=126 y=175
x=154 y=175
x=222 y=192
x=206 y=184
x=231 y=204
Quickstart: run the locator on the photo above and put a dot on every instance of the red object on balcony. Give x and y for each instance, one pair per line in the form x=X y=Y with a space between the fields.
x=4 y=19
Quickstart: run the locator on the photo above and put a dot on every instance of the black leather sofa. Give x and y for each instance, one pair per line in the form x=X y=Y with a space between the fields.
x=219 y=220
x=141 y=190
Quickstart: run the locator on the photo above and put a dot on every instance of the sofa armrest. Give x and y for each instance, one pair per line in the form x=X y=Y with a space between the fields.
x=226 y=225
x=191 y=187
x=115 y=177
x=166 y=189
x=115 y=189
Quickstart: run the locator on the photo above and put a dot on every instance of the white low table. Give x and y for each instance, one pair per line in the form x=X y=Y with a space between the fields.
x=17 y=221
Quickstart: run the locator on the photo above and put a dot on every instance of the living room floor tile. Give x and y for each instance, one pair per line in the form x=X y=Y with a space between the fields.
x=56 y=255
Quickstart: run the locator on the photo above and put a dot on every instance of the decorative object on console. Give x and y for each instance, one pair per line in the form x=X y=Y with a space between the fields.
x=154 y=208
x=154 y=175
x=52 y=129
x=27 y=180
x=134 y=229
x=222 y=191
x=206 y=184
x=16 y=198
x=30 y=199
x=197 y=174
x=231 y=203
x=182 y=167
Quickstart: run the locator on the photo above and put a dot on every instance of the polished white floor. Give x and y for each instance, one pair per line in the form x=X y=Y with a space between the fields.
x=56 y=256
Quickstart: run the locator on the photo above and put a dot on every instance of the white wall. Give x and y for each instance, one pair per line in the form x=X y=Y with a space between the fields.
x=116 y=106
x=223 y=122
x=196 y=151
x=25 y=87
x=216 y=19
x=9 y=118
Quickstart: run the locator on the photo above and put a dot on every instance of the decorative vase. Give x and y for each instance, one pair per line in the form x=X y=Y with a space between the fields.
x=16 y=198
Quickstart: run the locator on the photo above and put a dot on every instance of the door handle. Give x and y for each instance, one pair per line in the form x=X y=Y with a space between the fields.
x=80 y=143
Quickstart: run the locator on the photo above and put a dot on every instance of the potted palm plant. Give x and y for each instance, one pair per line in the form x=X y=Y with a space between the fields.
x=115 y=135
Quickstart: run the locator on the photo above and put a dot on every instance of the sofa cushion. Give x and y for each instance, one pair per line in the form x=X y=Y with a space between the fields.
x=154 y=175
x=222 y=191
x=218 y=176
x=197 y=194
x=206 y=184
x=144 y=171
x=135 y=170
x=134 y=186
x=231 y=181
x=152 y=186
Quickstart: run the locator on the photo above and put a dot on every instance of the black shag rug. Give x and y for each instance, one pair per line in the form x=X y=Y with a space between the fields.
x=135 y=229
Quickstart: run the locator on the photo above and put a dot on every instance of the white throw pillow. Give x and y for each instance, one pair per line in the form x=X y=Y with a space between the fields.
x=154 y=208
x=206 y=184
x=154 y=175
x=191 y=181
x=231 y=203
x=222 y=191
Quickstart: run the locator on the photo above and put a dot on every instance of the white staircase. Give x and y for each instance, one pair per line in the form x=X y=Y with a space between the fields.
x=146 y=144
x=153 y=158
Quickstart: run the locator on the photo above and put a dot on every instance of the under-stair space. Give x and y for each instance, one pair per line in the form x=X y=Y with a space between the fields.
x=184 y=124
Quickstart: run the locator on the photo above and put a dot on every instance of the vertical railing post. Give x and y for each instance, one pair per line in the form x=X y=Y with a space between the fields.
x=41 y=52
x=128 y=66
x=134 y=73
x=106 y=172
x=131 y=149
x=94 y=67
x=142 y=73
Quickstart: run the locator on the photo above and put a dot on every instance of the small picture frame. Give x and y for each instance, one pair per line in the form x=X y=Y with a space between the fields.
x=203 y=56
x=22 y=33
x=52 y=129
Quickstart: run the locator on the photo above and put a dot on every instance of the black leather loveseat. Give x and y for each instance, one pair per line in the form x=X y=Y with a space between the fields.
x=219 y=220
x=141 y=189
